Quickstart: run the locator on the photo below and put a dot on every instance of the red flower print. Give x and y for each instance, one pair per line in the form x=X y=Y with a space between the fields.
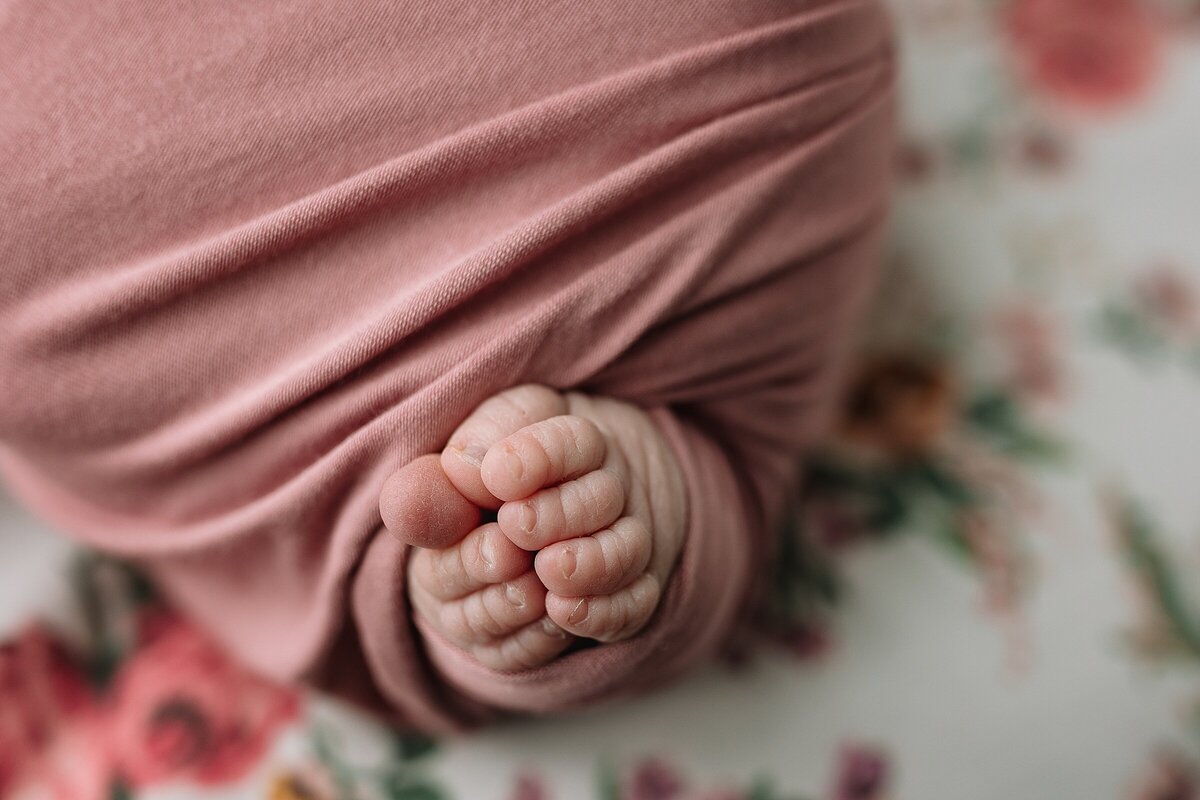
x=1170 y=299
x=1043 y=151
x=183 y=710
x=655 y=779
x=807 y=640
x=1168 y=777
x=915 y=162
x=1032 y=345
x=862 y=774
x=530 y=786
x=51 y=741
x=1095 y=54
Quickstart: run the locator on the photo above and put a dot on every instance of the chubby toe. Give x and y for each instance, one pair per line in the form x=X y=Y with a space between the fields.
x=421 y=507
x=542 y=454
x=572 y=509
x=494 y=419
x=485 y=556
x=604 y=562
x=536 y=644
x=494 y=612
x=607 y=618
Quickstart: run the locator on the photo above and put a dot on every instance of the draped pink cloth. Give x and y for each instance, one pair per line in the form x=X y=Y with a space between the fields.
x=259 y=255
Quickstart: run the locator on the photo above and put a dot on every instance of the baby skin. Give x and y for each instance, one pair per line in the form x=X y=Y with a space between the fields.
x=589 y=518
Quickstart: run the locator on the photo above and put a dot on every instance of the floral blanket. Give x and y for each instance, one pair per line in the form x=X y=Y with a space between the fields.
x=991 y=589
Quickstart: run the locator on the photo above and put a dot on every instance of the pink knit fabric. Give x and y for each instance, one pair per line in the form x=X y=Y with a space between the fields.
x=259 y=255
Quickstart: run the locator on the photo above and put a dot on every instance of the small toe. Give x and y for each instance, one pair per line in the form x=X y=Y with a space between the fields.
x=484 y=557
x=541 y=455
x=495 y=418
x=602 y=563
x=607 y=618
x=494 y=612
x=572 y=509
x=536 y=644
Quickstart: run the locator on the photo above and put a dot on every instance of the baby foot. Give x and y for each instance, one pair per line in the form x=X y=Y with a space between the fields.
x=591 y=486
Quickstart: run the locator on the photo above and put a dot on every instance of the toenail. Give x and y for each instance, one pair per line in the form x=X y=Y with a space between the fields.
x=528 y=517
x=579 y=613
x=552 y=629
x=472 y=454
x=487 y=551
x=514 y=595
x=513 y=464
x=567 y=562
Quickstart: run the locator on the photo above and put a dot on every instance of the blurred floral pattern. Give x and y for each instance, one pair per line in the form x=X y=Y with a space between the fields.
x=95 y=723
x=1023 y=407
x=1155 y=320
x=1090 y=53
x=172 y=709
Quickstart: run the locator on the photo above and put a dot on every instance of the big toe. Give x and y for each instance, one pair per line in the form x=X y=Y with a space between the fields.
x=420 y=505
x=496 y=418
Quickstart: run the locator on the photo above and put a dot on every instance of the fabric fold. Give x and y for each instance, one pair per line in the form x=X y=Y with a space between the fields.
x=260 y=256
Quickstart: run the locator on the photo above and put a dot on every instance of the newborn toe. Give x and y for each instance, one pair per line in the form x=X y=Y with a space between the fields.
x=494 y=612
x=575 y=508
x=542 y=454
x=607 y=618
x=536 y=644
x=604 y=562
x=485 y=556
x=495 y=418
x=421 y=507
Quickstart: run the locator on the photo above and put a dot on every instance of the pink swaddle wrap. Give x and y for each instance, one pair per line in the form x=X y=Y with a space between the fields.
x=258 y=256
